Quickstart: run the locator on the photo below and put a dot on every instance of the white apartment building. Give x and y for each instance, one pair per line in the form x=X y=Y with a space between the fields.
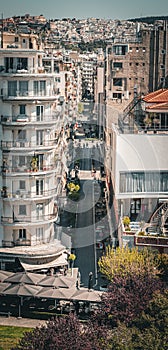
x=137 y=163
x=31 y=131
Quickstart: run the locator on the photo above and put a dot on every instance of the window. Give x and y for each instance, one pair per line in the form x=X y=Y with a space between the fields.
x=135 y=206
x=143 y=64
x=162 y=66
x=12 y=88
x=117 y=64
x=39 y=137
x=23 y=88
x=144 y=182
x=137 y=49
x=117 y=95
x=137 y=64
x=22 y=209
x=22 y=185
x=57 y=79
x=22 y=160
x=120 y=49
x=130 y=49
x=22 y=109
x=39 y=112
x=22 y=135
x=39 y=88
x=117 y=82
x=144 y=49
x=39 y=187
x=39 y=233
x=16 y=39
x=22 y=233
x=22 y=63
x=39 y=210
x=24 y=40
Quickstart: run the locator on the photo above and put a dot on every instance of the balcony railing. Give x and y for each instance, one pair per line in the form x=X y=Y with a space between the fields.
x=17 y=94
x=28 y=194
x=18 y=242
x=151 y=241
x=47 y=117
x=28 y=219
x=27 y=169
x=28 y=144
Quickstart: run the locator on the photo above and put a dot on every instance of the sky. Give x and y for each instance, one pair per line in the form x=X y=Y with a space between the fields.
x=114 y=9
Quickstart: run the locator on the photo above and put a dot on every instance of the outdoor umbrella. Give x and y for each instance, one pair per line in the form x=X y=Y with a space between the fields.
x=21 y=290
x=3 y=286
x=55 y=293
x=4 y=275
x=85 y=295
x=58 y=281
x=24 y=277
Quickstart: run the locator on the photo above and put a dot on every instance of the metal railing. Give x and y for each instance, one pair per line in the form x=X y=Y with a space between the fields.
x=28 y=194
x=47 y=117
x=28 y=144
x=28 y=219
x=27 y=169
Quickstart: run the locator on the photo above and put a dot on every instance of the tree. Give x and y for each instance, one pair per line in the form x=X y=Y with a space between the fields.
x=64 y=333
x=163 y=266
x=127 y=297
x=126 y=262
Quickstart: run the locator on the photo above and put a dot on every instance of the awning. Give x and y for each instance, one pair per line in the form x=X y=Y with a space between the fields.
x=59 y=261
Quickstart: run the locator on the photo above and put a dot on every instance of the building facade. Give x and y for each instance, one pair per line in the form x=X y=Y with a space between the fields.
x=32 y=135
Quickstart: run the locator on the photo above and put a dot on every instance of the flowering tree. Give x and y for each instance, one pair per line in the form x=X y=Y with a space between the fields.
x=125 y=262
x=127 y=297
x=64 y=333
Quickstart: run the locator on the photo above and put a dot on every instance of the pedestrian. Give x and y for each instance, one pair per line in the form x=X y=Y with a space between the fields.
x=90 y=283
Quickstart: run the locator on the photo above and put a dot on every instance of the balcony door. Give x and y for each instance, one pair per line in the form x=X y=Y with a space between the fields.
x=39 y=137
x=39 y=112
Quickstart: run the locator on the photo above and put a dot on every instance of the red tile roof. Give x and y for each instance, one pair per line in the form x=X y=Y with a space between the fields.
x=158 y=106
x=159 y=96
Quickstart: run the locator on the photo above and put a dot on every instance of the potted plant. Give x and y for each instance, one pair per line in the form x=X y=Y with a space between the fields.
x=34 y=163
x=126 y=223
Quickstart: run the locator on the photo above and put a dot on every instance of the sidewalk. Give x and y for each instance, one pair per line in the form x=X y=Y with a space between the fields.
x=21 y=322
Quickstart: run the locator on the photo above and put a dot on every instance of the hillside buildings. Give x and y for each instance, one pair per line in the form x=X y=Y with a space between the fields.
x=43 y=88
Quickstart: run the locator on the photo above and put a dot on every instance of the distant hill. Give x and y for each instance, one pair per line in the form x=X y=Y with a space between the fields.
x=149 y=20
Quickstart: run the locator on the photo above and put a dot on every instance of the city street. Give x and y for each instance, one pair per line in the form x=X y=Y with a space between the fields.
x=90 y=221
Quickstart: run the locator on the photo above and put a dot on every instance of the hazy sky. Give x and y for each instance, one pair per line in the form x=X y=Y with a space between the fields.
x=114 y=9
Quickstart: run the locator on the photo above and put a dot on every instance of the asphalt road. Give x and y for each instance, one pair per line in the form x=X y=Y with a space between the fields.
x=84 y=235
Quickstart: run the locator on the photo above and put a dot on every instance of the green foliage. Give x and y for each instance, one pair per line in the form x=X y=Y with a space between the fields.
x=10 y=336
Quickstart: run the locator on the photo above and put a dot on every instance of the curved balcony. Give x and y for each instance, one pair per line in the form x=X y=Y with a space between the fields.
x=30 y=95
x=28 y=220
x=18 y=242
x=46 y=119
x=28 y=195
x=27 y=169
x=45 y=144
